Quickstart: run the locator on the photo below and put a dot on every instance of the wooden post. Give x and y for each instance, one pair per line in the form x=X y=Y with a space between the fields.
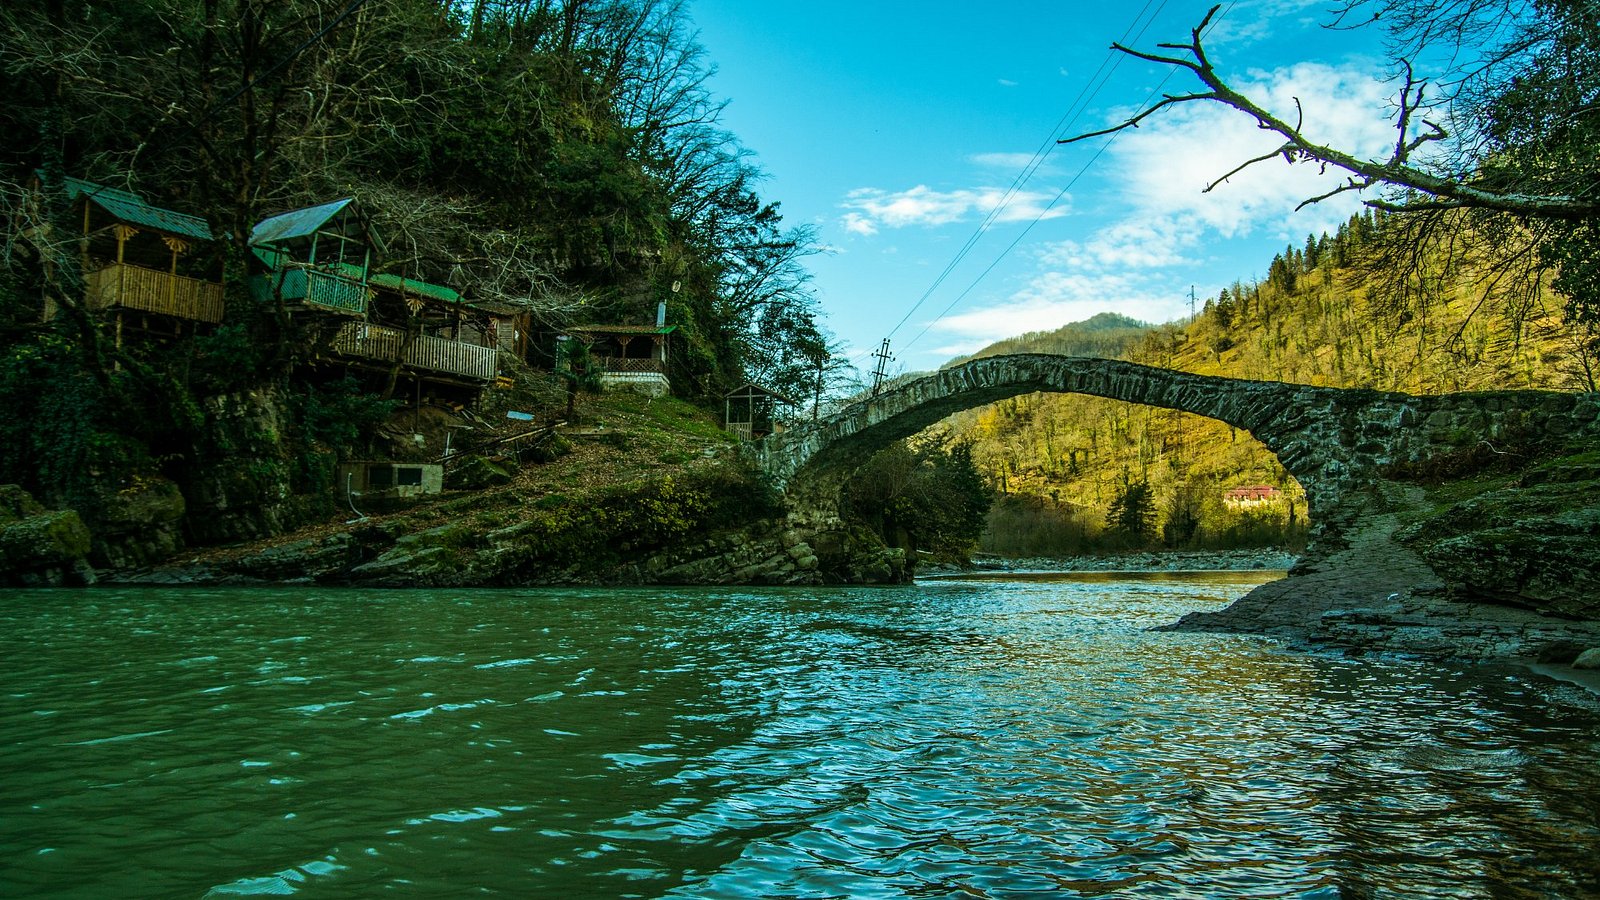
x=123 y=233
x=83 y=242
x=176 y=246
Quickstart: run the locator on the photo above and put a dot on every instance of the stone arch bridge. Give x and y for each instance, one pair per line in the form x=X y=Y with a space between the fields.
x=1363 y=457
x=1334 y=441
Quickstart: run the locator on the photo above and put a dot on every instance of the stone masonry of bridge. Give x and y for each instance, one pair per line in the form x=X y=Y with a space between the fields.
x=1355 y=452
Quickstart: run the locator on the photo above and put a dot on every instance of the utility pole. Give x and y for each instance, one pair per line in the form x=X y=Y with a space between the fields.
x=1191 y=301
x=882 y=356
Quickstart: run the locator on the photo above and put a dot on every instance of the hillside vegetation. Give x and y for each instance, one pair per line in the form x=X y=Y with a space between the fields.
x=1079 y=474
x=561 y=162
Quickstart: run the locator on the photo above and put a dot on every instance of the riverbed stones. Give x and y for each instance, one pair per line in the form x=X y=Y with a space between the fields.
x=1588 y=659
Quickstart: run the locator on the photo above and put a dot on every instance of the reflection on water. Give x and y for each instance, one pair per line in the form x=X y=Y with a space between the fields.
x=975 y=738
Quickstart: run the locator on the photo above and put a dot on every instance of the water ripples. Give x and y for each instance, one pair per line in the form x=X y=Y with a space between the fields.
x=964 y=739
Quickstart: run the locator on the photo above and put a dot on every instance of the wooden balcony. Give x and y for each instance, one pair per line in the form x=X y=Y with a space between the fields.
x=128 y=286
x=425 y=352
x=316 y=287
x=622 y=364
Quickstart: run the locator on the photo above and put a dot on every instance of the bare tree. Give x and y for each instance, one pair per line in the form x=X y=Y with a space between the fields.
x=1492 y=167
x=1420 y=188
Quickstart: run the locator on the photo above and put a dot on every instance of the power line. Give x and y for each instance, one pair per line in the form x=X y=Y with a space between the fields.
x=1042 y=213
x=1079 y=105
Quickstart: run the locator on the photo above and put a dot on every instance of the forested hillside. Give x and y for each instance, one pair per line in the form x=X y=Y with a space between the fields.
x=558 y=161
x=1080 y=473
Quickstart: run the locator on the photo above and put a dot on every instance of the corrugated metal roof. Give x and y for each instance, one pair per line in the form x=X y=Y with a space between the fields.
x=497 y=307
x=419 y=288
x=296 y=223
x=129 y=207
x=750 y=389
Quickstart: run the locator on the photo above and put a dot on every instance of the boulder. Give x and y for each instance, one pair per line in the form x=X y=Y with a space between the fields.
x=40 y=547
x=139 y=524
x=1588 y=659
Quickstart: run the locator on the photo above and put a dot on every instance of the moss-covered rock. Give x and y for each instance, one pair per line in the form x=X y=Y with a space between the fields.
x=17 y=504
x=475 y=473
x=39 y=546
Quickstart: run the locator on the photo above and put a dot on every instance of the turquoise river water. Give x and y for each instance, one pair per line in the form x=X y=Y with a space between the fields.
x=958 y=738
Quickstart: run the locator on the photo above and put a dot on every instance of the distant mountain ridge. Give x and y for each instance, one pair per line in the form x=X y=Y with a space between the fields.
x=1107 y=334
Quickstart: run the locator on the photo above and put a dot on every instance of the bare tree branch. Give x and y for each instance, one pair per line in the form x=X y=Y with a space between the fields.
x=1397 y=171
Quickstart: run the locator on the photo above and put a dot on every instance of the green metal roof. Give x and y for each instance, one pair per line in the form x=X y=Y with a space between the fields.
x=296 y=223
x=419 y=288
x=129 y=207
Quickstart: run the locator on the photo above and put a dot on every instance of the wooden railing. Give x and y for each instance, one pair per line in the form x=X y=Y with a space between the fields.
x=135 y=287
x=621 y=364
x=435 y=354
x=315 y=287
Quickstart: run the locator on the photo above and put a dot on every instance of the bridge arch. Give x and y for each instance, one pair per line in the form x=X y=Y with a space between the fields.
x=1327 y=438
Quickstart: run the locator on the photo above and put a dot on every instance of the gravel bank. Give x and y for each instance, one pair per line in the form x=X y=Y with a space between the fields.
x=1173 y=561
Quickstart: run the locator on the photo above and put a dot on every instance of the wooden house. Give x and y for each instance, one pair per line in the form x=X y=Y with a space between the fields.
x=631 y=357
x=752 y=412
x=317 y=258
x=423 y=327
x=138 y=261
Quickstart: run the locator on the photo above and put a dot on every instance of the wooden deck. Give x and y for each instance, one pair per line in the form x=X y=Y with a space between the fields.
x=425 y=352
x=134 y=287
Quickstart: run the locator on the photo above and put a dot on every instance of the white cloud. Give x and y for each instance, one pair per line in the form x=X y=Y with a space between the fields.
x=873 y=208
x=856 y=223
x=1250 y=21
x=1012 y=164
x=1002 y=160
x=1006 y=82
x=1133 y=264
x=1164 y=166
x=1053 y=299
x=1145 y=243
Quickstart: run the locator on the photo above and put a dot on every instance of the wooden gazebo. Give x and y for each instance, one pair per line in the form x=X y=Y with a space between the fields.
x=319 y=257
x=752 y=412
x=137 y=260
x=629 y=356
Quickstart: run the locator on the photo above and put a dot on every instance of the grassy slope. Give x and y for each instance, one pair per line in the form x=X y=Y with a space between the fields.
x=624 y=443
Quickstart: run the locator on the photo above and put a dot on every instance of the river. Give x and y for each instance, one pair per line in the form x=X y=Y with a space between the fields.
x=1021 y=737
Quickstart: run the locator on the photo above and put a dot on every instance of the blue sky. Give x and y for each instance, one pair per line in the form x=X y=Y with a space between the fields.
x=894 y=129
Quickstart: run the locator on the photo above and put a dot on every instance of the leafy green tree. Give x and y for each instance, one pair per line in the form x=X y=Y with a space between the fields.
x=926 y=497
